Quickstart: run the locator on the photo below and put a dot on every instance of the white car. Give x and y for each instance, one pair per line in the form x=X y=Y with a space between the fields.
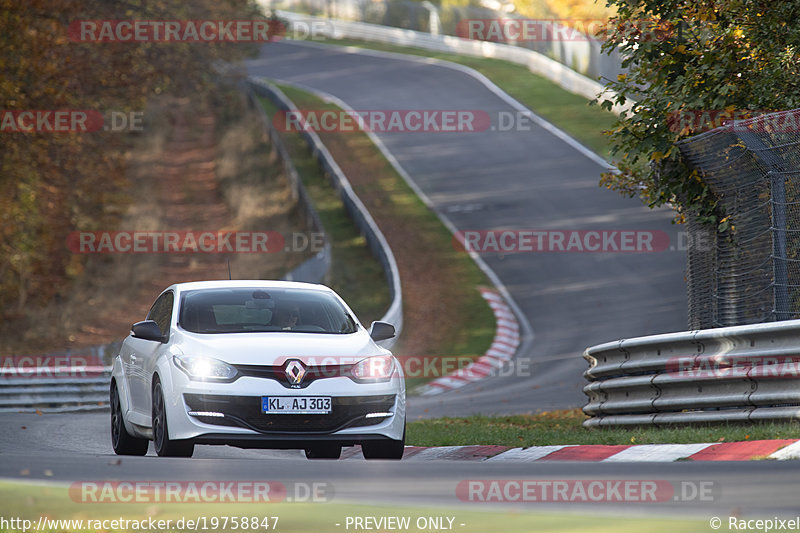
x=256 y=364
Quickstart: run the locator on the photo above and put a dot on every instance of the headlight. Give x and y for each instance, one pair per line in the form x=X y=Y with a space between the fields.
x=373 y=369
x=204 y=368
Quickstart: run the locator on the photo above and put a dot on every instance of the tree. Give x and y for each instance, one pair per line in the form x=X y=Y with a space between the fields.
x=52 y=184
x=685 y=58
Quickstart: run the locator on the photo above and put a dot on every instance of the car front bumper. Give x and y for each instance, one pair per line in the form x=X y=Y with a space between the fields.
x=239 y=421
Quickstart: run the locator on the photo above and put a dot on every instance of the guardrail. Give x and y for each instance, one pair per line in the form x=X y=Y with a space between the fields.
x=71 y=380
x=69 y=392
x=733 y=374
x=536 y=62
x=353 y=205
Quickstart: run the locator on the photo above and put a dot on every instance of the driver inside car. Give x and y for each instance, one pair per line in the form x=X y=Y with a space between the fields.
x=286 y=317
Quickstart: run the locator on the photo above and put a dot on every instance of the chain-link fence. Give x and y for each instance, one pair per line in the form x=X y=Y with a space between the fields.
x=750 y=273
x=578 y=53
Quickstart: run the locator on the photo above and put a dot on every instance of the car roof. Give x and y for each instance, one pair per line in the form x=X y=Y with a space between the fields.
x=246 y=283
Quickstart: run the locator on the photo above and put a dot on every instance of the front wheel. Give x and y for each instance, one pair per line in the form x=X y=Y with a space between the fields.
x=385 y=448
x=166 y=447
x=123 y=442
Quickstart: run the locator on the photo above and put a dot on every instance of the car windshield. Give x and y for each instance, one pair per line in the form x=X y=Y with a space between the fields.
x=244 y=310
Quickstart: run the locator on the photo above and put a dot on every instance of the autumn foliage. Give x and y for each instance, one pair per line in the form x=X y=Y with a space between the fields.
x=691 y=56
x=54 y=183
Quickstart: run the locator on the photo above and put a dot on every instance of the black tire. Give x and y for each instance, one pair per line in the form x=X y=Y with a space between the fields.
x=385 y=448
x=166 y=447
x=123 y=442
x=324 y=452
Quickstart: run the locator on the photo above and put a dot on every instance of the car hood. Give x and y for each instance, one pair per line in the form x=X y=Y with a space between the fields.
x=273 y=348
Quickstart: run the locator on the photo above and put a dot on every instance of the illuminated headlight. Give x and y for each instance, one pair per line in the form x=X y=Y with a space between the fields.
x=373 y=369
x=204 y=368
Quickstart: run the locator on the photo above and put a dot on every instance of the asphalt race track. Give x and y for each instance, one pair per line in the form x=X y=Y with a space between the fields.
x=77 y=447
x=510 y=179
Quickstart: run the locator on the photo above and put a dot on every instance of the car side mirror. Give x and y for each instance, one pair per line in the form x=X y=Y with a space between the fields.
x=148 y=330
x=380 y=331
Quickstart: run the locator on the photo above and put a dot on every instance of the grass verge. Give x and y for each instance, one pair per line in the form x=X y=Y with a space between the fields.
x=564 y=427
x=568 y=111
x=29 y=501
x=444 y=312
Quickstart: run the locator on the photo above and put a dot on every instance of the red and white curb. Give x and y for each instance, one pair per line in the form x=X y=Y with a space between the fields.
x=503 y=347
x=718 y=451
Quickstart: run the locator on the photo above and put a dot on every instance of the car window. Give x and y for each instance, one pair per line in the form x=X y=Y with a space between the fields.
x=161 y=312
x=253 y=309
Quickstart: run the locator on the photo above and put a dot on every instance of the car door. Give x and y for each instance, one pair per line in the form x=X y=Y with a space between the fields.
x=143 y=355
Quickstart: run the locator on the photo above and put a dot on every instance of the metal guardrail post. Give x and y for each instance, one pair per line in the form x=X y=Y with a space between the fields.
x=778 y=189
x=434 y=25
x=778 y=203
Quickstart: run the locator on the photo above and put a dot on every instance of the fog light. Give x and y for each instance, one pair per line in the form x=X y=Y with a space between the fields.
x=207 y=413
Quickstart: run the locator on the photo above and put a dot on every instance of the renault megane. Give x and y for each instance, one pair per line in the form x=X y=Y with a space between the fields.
x=256 y=364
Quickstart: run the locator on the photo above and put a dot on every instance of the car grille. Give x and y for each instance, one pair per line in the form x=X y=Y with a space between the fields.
x=278 y=373
x=245 y=411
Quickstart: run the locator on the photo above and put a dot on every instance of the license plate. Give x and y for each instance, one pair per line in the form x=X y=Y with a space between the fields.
x=296 y=405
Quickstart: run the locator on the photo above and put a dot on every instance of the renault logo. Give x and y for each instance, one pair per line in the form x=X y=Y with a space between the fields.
x=295 y=372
